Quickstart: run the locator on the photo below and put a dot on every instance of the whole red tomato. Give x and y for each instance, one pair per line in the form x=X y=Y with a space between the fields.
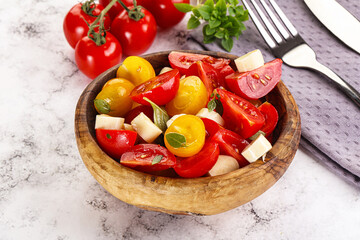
x=165 y=13
x=93 y=60
x=135 y=37
x=117 y=8
x=74 y=26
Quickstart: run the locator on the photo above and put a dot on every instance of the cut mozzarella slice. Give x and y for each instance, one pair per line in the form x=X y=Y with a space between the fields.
x=165 y=69
x=128 y=127
x=212 y=115
x=224 y=165
x=249 y=61
x=171 y=120
x=104 y=121
x=256 y=149
x=145 y=128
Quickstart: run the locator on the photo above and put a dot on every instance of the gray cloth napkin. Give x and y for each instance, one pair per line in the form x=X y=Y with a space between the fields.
x=330 y=121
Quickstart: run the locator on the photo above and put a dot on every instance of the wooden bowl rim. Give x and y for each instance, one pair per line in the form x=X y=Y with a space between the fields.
x=249 y=169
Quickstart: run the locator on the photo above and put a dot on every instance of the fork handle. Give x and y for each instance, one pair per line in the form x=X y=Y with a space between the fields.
x=339 y=82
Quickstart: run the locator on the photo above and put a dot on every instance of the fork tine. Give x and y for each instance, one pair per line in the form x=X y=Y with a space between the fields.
x=259 y=26
x=283 y=17
x=271 y=29
x=277 y=23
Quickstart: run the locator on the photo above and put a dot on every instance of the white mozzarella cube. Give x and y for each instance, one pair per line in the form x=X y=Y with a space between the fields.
x=212 y=115
x=145 y=128
x=224 y=164
x=256 y=149
x=249 y=61
x=104 y=121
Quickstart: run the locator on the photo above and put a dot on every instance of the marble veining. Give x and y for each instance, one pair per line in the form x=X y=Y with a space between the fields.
x=46 y=191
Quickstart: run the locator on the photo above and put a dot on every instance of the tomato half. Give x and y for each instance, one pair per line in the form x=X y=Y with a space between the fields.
x=134 y=36
x=211 y=127
x=193 y=129
x=136 y=69
x=74 y=26
x=199 y=164
x=165 y=13
x=115 y=142
x=141 y=157
x=190 y=97
x=271 y=117
x=240 y=115
x=183 y=61
x=160 y=89
x=208 y=75
x=231 y=144
x=147 y=110
x=256 y=83
x=92 y=60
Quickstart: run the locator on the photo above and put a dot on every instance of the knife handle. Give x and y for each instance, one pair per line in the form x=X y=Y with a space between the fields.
x=351 y=92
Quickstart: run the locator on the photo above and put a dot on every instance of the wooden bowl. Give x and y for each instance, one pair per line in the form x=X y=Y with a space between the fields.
x=199 y=196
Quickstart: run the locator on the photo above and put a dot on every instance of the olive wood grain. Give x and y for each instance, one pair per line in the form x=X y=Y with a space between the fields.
x=199 y=196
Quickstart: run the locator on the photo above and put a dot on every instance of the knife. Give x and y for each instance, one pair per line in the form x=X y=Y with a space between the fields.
x=338 y=20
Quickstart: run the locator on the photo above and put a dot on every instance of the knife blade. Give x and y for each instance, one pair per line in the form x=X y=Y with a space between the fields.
x=338 y=20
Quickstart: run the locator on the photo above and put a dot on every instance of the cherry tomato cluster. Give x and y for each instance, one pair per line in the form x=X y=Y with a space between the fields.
x=214 y=111
x=101 y=33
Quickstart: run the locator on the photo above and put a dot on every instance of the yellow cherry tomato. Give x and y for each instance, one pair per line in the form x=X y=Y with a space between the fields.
x=136 y=69
x=115 y=81
x=114 y=99
x=193 y=129
x=190 y=98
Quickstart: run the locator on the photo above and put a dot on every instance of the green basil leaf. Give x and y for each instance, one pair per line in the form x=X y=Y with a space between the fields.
x=207 y=30
x=157 y=159
x=214 y=23
x=227 y=44
x=102 y=106
x=160 y=115
x=193 y=22
x=253 y=137
x=183 y=7
x=176 y=140
x=233 y=2
x=221 y=6
x=196 y=12
x=205 y=12
x=219 y=107
x=219 y=34
x=108 y=136
x=211 y=105
x=208 y=39
x=210 y=3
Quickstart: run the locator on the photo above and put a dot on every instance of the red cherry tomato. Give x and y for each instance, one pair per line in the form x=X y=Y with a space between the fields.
x=256 y=83
x=117 y=8
x=93 y=60
x=160 y=89
x=115 y=142
x=74 y=26
x=208 y=75
x=165 y=13
x=134 y=36
x=271 y=117
x=231 y=144
x=199 y=164
x=183 y=61
x=141 y=157
x=147 y=110
x=224 y=72
x=240 y=115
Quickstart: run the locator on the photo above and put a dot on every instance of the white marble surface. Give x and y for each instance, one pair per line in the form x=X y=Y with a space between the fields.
x=46 y=191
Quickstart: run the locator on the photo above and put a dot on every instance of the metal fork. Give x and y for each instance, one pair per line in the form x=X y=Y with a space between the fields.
x=292 y=48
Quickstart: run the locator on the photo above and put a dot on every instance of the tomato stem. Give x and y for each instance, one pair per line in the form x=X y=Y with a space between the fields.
x=134 y=13
x=88 y=7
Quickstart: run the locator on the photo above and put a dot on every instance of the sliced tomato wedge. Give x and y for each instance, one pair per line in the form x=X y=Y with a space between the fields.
x=183 y=61
x=256 y=83
x=141 y=157
x=147 y=110
x=160 y=89
x=240 y=115
x=115 y=142
x=271 y=117
x=224 y=72
x=208 y=75
x=230 y=143
x=199 y=164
